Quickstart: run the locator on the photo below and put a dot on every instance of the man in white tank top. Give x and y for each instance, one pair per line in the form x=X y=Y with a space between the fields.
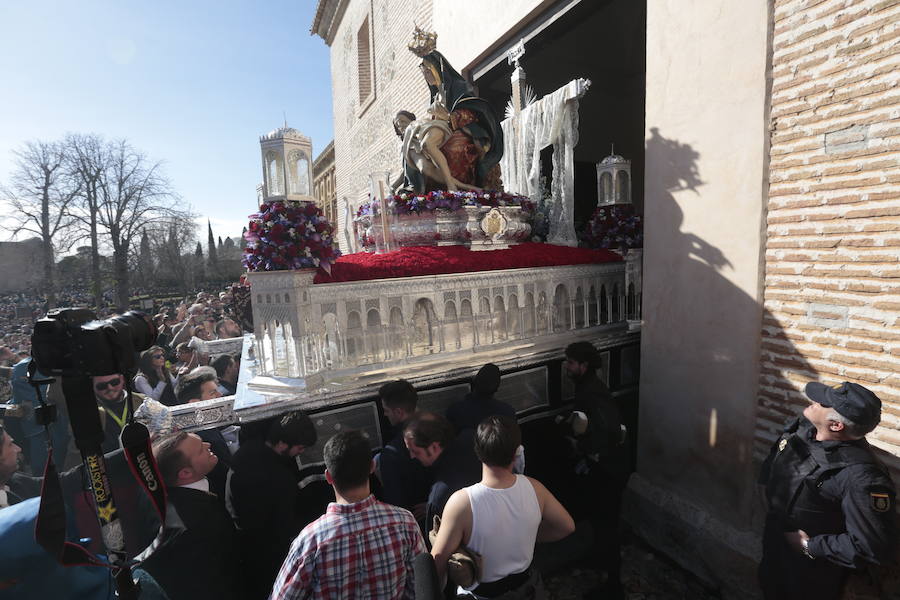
x=501 y=518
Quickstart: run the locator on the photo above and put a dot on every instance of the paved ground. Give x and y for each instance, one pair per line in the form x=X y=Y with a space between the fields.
x=645 y=575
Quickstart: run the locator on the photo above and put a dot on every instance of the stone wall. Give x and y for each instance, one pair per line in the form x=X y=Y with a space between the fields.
x=832 y=294
x=364 y=139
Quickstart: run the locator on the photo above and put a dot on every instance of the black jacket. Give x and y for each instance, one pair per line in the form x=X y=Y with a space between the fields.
x=404 y=481
x=200 y=563
x=457 y=467
x=603 y=438
x=473 y=409
x=836 y=491
x=263 y=498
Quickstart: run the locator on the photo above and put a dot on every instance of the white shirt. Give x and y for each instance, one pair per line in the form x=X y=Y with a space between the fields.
x=504 y=527
x=202 y=485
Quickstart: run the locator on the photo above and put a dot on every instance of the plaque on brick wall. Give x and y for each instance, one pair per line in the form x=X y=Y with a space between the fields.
x=363 y=417
x=568 y=386
x=524 y=389
x=437 y=400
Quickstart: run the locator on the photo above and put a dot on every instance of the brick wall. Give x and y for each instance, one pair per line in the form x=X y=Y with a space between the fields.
x=364 y=139
x=832 y=287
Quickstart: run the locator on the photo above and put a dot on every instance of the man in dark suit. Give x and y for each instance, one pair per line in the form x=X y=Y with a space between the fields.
x=263 y=497
x=14 y=486
x=201 y=562
x=196 y=386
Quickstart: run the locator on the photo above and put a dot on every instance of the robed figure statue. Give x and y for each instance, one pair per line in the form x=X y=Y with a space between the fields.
x=460 y=143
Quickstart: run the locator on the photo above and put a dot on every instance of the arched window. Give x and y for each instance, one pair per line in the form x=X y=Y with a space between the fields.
x=592 y=318
x=530 y=316
x=274 y=174
x=332 y=347
x=579 y=309
x=562 y=316
x=425 y=333
x=615 y=310
x=606 y=188
x=451 y=326
x=466 y=325
x=485 y=322
x=513 y=319
x=373 y=335
x=354 y=337
x=397 y=333
x=543 y=324
x=299 y=173
x=622 y=187
x=604 y=306
x=499 y=319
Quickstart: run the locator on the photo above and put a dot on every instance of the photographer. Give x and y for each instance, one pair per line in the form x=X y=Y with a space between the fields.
x=109 y=391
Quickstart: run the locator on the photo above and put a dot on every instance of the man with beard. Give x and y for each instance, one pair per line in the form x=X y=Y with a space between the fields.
x=600 y=458
x=114 y=410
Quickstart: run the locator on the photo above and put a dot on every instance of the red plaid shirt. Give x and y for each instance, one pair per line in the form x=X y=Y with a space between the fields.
x=361 y=550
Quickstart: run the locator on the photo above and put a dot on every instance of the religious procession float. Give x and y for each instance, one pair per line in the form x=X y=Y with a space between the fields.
x=464 y=258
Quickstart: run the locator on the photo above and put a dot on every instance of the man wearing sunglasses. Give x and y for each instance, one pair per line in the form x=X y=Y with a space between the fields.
x=114 y=410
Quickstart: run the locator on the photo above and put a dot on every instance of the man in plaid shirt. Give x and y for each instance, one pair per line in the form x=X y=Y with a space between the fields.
x=360 y=547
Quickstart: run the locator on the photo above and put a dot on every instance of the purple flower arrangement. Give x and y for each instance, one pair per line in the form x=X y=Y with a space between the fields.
x=289 y=235
x=615 y=227
x=407 y=203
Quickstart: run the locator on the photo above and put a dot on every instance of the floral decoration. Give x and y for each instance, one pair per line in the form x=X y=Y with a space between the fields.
x=406 y=203
x=409 y=203
x=289 y=235
x=615 y=227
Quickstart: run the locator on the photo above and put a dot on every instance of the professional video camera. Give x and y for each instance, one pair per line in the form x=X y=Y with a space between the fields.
x=73 y=344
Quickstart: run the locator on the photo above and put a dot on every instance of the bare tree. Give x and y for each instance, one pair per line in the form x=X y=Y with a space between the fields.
x=39 y=197
x=133 y=194
x=171 y=240
x=88 y=159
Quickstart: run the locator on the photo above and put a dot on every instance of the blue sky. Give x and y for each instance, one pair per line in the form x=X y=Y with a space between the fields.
x=191 y=83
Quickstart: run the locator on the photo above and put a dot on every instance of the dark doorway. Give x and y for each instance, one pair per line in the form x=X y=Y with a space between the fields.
x=600 y=40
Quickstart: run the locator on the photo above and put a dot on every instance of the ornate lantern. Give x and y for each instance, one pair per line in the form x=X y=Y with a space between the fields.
x=613 y=180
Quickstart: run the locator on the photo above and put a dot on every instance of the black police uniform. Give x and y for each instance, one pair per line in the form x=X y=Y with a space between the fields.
x=840 y=495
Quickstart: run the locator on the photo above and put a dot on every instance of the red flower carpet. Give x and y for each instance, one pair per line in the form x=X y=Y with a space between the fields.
x=439 y=260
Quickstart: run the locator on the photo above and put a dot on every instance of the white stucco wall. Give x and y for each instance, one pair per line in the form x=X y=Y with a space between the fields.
x=466 y=28
x=705 y=172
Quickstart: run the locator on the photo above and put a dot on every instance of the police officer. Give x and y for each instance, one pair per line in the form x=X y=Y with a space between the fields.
x=831 y=503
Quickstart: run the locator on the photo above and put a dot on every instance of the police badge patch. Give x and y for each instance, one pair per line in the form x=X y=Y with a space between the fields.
x=880 y=502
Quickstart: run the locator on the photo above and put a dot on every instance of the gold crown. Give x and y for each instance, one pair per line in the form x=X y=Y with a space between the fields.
x=423 y=42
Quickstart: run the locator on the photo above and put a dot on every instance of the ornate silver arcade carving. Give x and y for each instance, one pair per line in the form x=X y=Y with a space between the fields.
x=427 y=320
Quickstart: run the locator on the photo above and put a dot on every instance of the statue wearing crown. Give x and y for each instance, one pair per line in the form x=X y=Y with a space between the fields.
x=458 y=145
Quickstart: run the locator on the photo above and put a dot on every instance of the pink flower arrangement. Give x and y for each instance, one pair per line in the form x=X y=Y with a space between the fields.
x=289 y=235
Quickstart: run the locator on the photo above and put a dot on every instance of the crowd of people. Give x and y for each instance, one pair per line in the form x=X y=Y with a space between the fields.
x=237 y=496
x=444 y=508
